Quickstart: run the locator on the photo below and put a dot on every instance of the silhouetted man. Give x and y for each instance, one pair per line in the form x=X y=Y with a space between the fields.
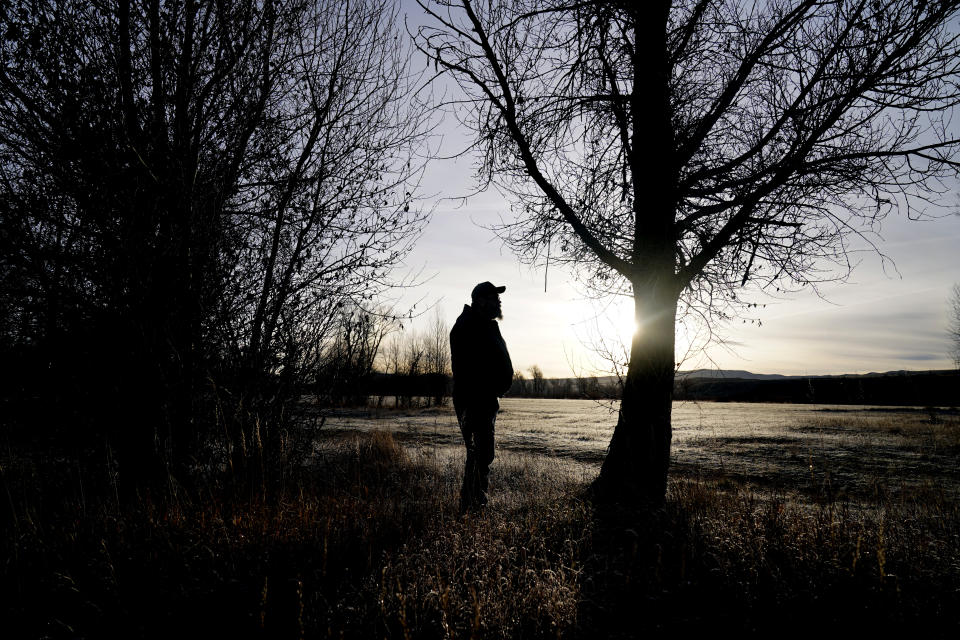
x=482 y=372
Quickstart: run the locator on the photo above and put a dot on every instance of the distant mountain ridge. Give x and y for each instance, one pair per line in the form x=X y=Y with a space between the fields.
x=728 y=374
x=902 y=387
x=917 y=388
x=740 y=374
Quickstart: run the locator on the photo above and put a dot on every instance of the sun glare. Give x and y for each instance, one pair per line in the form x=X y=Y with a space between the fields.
x=614 y=320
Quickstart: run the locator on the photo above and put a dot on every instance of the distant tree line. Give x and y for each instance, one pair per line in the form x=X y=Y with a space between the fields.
x=199 y=206
x=933 y=388
x=583 y=387
x=375 y=358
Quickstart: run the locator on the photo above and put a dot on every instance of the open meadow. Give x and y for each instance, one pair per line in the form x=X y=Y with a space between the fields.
x=780 y=518
x=829 y=450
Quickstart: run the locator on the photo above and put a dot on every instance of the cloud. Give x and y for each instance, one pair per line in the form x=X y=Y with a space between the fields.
x=925 y=357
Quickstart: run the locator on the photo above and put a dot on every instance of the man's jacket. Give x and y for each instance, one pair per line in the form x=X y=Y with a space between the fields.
x=478 y=355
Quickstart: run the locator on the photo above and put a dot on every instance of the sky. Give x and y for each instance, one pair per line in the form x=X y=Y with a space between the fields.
x=892 y=313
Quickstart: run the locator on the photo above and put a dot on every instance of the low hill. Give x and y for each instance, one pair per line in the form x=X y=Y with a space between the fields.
x=918 y=388
x=728 y=374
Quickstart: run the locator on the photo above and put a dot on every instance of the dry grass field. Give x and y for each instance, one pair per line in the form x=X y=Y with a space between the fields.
x=835 y=450
x=781 y=519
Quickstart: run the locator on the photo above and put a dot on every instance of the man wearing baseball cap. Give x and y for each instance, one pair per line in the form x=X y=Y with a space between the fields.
x=482 y=372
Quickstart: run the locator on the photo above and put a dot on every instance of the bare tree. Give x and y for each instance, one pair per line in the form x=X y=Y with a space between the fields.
x=538 y=385
x=583 y=385
x=348 y=362
x=414 y=352
x=200 y=187
x=332 y=212
x=437 y=357
x=519 y=386
x=954 y=328
x=678 y=151
x=393 y=363
x=337 y=216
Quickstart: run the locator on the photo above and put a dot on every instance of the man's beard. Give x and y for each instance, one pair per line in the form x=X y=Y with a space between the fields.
x=491 y=312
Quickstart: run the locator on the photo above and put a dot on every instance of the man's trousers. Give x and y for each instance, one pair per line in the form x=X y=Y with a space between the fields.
x=477 y=421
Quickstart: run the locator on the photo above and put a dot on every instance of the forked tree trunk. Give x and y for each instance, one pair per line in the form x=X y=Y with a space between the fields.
x=635 y=468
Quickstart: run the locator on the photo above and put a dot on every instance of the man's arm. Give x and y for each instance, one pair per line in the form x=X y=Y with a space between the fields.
x=503 y=373
x=463 y=361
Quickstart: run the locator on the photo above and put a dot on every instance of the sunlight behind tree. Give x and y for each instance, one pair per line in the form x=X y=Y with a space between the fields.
x=678 y=151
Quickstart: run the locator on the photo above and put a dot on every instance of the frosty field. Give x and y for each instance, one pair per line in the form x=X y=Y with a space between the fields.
x=778 y=517
x=839 y=450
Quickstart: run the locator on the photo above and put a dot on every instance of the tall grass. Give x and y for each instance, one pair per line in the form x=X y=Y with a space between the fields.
x=365 y=541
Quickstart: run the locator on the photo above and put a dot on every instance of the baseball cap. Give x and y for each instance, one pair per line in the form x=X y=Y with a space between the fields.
x=486 y=289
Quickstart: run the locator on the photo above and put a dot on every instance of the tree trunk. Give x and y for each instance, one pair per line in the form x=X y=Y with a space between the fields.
x=634 y=471
x=635 y=468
